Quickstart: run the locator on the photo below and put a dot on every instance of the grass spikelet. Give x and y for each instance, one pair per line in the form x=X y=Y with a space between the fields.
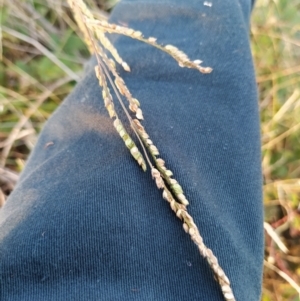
x=130 y=144
x=108 y=45
x=108 y=101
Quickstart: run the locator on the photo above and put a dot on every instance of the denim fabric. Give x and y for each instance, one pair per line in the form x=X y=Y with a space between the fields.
x=86 y=223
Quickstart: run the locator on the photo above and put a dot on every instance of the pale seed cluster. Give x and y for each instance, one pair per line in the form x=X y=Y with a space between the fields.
x=134 y=104
x=107 y=45
x=160 y=164
x=107 y=98
x=130 y=144
x=182 y=59
x=190 y=227
x=163 y=177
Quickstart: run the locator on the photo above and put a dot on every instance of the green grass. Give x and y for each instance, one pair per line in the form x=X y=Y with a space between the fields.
x=42 y=57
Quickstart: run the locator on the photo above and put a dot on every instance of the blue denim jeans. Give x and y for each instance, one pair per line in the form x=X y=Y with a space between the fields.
x=86 y=223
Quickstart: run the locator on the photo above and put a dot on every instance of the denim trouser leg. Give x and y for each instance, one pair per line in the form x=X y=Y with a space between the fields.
x=86 y=223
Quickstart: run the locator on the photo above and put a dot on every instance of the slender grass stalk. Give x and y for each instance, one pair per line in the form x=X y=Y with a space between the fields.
x=173 y=193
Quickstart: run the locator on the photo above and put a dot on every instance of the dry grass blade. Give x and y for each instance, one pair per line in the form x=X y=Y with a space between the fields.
x=8 y=176
x=1 y=12
x=283 y=275
x=8 y=180
x=275 y=237
x=43 y=50
x=6 y=145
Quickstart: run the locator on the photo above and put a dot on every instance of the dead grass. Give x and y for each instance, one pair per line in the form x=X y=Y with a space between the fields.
x=276 y=49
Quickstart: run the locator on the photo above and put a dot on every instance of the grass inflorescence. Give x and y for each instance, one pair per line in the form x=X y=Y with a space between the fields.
x=42 y=58
x=93 y=31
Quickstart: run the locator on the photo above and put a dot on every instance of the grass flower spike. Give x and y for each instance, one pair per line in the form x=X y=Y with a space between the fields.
x=94 y=31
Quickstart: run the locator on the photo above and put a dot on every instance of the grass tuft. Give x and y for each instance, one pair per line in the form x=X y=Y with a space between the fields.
x=276 y=50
